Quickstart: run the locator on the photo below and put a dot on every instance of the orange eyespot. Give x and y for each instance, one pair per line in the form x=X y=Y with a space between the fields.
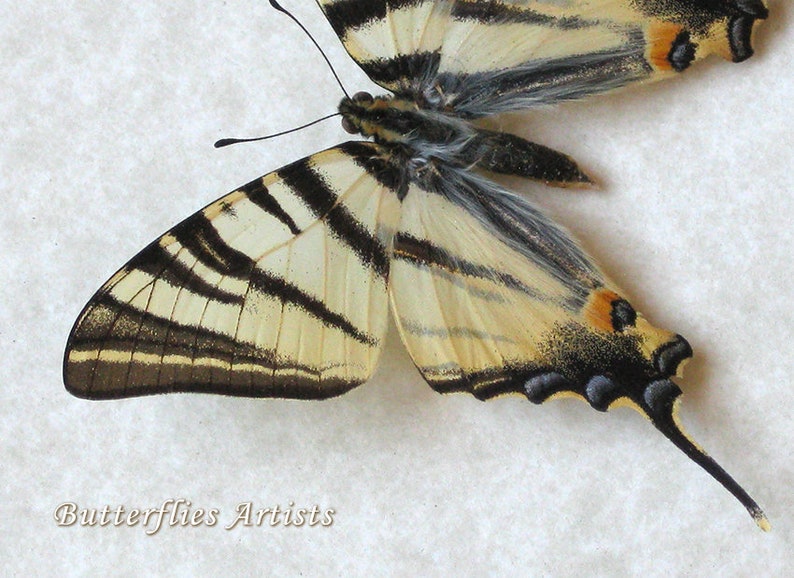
x=671 y=47
x=598 y=310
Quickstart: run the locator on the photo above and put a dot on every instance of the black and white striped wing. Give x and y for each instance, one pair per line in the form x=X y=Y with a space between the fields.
x=277 y=289
x=491 y=297
x=479 y=57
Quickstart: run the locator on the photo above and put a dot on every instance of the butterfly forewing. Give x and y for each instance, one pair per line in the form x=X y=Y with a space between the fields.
x=276 y=289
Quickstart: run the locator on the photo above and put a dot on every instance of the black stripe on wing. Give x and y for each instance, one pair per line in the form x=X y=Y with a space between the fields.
x=198 y=235
x=544 y=81
x=289 y=293
x=193 y=355
x=519 y=225
x=345 y=15
x=387 y=170
x=160 y=264
x=425 y=253
x=490 y=12
x=348 y=15
x=405 y=73
x=123 y=327
x=320 y=197
x=257 y=193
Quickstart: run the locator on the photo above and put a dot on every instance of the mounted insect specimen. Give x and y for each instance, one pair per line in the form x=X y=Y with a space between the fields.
x=282 y=288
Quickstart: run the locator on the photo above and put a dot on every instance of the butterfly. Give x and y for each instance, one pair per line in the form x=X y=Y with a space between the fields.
x=283 y=287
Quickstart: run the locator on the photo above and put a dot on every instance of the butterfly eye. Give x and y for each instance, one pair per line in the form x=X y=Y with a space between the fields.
x=754 y=8
x=363 y=97
x=348 y=125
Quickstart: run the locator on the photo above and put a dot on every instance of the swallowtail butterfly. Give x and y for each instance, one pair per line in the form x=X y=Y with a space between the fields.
x=282 y=288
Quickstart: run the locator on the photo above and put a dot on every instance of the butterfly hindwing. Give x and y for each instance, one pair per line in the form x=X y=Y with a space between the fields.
x=276 y=289
x=494 y=298
x=480 y=57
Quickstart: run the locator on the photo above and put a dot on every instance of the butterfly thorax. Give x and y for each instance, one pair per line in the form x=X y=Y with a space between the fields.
x=421 y=134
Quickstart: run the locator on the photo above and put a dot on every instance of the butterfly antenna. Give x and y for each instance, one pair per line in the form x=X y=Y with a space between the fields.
x=280 y=8
x=224 y=142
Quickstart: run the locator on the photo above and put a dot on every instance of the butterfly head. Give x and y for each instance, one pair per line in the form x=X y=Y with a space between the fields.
x=392 y=120
x=363 y=114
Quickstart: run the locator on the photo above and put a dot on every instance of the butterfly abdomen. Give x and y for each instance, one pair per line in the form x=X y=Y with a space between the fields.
x=509 y=154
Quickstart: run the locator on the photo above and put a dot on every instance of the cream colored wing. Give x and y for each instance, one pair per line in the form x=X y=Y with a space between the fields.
x=277 y=289
x=478 y=57
x=492 y=298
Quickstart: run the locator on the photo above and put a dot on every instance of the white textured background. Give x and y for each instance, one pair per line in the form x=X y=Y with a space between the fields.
x=108 y=113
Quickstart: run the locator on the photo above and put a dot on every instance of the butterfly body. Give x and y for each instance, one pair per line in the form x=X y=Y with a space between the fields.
x=417 y=136
x=282 y=288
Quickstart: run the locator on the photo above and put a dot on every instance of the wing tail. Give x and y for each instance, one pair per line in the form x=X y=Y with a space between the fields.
x=660 y=403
